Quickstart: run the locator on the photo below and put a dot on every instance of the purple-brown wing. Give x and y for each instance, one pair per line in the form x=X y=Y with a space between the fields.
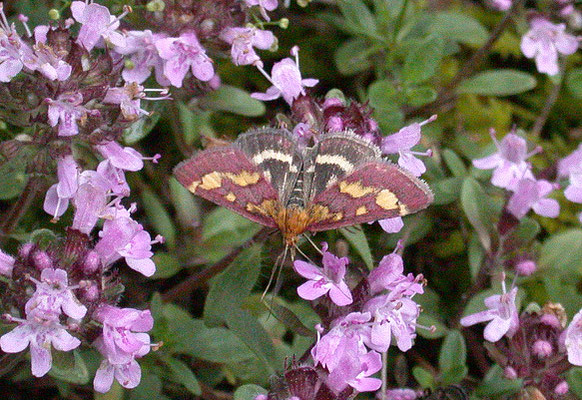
x=227 y=177
x=375 y=190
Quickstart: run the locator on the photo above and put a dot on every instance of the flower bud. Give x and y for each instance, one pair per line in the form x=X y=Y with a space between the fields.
x=91 y=292
x=25 y=250
x=155 y=6
x=525 y=267
x=542 y=348
x=92 y=262
x=42 y=260
x=510 y=373
x=284 y=23
x=561 y=388
x=54 y=14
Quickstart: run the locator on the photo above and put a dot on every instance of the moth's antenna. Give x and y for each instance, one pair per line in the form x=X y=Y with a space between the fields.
x=313 y=244
x=278 y=266
x=303 y=254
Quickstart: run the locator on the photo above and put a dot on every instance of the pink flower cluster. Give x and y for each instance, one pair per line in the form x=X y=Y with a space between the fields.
x=349 y=349
x=513 y=173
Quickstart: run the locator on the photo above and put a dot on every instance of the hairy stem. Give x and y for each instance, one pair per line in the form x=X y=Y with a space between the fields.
x=18 y=209
x=447 y=94
x=185 y=287
x=545 y=113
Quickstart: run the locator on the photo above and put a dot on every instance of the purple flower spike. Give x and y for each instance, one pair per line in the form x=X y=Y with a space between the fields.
x=530 y=194
x=40 y=335
x=140 y=46
x=98 y=24
x=243 y=40
x=502 y=313
x=286 y=80
x=402 y=142
x=509 y=161
x=181 y=54
x=330 y=279
x=573 y=340
x=544 y=41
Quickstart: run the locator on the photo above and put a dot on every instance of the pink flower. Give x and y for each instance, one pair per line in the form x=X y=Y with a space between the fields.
x=402 y=143
x=123 y=332
x=401 y=394
x=501 y=5
x=509 y=161
x=502 y=313
x=391 y=225
x=347 y=335
x=530 y=194
x=140 y=46
x=13 y=51
x=54 y=296
x=125 y=158
x=355 y=371
x=128 y=375
x=58 y=195
x=243 y=40
x=268 y=5
x=124 y=237
x=544 y=41
x=98 y=24
x=181 y=54
x=40 y=335
x=573 y=340
x=65 y=111
x=286 y=80
x=330 y=279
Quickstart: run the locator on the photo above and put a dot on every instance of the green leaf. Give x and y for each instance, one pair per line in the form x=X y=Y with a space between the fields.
x=187 y=209
x=234 y=100
x=495 y=385
x=150 y=387
x=476 y=256
x=460 y=28
x=144 y=125
x=422 y=61
x=574 y=379
x=382 y=94
x=43 y=237
x=184 y=375
x=454 y=162
x=502 y=82
x=352 y=57
x=194 y=124
x=14 y=177
x=290 y=320
x=474 y=203
x=69 y=367
x=251 y=332
x=424 y=378
x=574 y=82
x=229 y=289
x=167 y=265
x=248 y=392
x=447 y=190
x=419 y=96
x=159 y=217
x=357 y=238
x=523 y=234
x=563 y=252
x=453 y=358
x=358 y=17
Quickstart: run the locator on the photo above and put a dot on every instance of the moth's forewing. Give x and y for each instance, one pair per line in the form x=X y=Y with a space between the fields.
x=226 y=176
x=375 y=190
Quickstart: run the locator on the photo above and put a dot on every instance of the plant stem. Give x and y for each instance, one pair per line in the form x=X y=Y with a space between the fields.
x=447 y=95
x=19 y=208
x=185 y=287
x=545 y=113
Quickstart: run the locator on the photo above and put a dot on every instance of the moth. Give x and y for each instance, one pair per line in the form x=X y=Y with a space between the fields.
x=269 y=177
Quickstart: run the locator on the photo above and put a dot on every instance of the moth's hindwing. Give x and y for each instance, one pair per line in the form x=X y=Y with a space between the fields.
x=375 y=190
x=227 y=177
x=335 y=156
x=275 y=152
